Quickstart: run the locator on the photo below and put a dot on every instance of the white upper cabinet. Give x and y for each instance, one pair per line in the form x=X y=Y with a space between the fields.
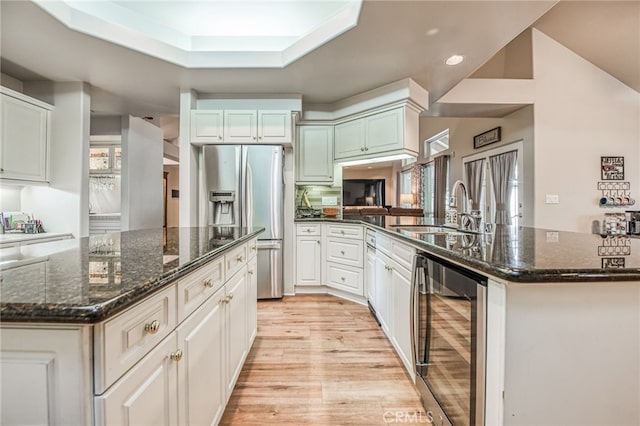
x=24 y=137
x=206 y=126
x=274 y=127
x=384 y=131
x=241 y=126
x=315 y=155
x=350 y=140
x=388 y=132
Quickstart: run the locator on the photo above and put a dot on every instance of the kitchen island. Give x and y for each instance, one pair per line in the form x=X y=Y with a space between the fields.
x=94 y=329
x=562 y=343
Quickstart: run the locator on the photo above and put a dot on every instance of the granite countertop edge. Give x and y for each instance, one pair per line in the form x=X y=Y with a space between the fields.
x=513 y=275
x=91 y=314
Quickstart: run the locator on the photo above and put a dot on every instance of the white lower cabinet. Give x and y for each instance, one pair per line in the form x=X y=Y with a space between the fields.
x=400 y=312
x=252 y=301
x=308 y=255
x=370 y=276
x=146 y=394
x=201 y=371
x=392 y=295
x=236 y=320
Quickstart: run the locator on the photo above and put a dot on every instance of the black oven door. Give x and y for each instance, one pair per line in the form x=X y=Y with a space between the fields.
x=449 y=336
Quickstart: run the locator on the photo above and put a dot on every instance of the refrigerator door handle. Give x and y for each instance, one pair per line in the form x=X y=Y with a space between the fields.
x=247 y=191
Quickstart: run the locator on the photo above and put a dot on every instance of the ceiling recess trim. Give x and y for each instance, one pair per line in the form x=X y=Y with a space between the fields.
x=111 y=22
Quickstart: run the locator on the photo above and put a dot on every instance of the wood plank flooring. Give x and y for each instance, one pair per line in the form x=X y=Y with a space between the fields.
x=321 y=360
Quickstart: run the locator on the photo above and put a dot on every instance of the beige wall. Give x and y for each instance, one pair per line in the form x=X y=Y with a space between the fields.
x=581 y=113
x=386 y=173
x=173 y=204
x=515 y=127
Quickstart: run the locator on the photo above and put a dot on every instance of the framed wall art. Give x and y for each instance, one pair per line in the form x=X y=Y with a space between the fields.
x=612 y=168
x=488 y=137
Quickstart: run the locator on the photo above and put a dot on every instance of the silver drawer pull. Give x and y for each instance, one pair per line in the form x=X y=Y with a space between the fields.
x=342 y=232
x=176 y=356
x=342 y=252
x=250 y=272
x=342 y=278
x=152 y=327
x=253 y=248
x=239 y=259
x=208 y=283
x=307 y=230
x=318 y=241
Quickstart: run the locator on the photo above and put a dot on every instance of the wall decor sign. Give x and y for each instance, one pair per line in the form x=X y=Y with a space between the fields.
x=612 y=168
x=612 y=262
x=486 y=138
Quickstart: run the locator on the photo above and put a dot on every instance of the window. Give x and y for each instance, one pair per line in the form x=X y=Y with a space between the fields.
x=436 y=144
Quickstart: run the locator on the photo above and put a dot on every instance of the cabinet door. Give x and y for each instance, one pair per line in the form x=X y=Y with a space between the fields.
x=308 y=260
x=146 y=395
x=315 y=154
x=349 y=139
x=370 y=276
x=23 y=140
x=274 y=127
x=201 y=384
x=206 y=126
x=383 y=292
x=384 y=131
x=236 y=320
x=240 y=126
x=401 y=324
x=252 y=301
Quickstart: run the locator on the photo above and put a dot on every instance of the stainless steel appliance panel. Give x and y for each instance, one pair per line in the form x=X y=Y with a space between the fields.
x=270 y=280
x=449 y=323
x=263 y=180
x=221 y=166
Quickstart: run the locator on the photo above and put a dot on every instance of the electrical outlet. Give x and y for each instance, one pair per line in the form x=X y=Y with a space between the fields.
x=553 y=236
x=329 y=201
x=552 y=199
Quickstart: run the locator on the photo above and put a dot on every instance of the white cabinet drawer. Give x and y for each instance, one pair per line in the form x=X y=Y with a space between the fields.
x=308 y=229
x=402 y=253
x=196 y=287
x=345 y=231
x=345 y=251
x=345 y=278
x=383 y=243
x=235 y=260
x=252 y=248
x=370 y=237
x=123 y=340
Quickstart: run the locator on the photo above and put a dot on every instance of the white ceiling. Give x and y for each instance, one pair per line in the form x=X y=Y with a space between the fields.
x=393 y=40
x=211 y=33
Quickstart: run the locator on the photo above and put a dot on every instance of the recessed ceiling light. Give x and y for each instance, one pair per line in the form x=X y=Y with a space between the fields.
x=432 y=31
x=454 y=59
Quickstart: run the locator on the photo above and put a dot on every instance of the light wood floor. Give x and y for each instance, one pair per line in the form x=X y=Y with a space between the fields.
x=321 y=360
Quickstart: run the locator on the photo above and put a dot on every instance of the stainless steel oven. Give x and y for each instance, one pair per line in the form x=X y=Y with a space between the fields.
x=448 y=336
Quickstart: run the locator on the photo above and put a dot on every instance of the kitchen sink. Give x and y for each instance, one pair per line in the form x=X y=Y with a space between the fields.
x=432 y=230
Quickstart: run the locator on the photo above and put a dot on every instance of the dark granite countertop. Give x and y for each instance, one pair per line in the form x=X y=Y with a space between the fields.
x=87 y=280
x=526 y=255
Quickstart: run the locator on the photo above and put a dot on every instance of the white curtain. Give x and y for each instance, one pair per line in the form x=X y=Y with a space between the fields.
x=503 y=168
x=475 y=176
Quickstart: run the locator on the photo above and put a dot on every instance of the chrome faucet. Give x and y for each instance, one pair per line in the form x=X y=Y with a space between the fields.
x=468 y=219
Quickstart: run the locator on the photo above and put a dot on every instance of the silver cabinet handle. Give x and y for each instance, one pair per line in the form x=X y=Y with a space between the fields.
x=176 y=356
x=342 y=252
x=366 y=149
x=253 y=248
x=230 y=296
x=342 y=278
x=239 y=259
x=208 y=283
x=318 y=241
x=152 y=327
x=250 y=272
x=362 y=149
x=342 y=232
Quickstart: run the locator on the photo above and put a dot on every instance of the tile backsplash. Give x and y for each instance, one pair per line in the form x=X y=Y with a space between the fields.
x=315 y=194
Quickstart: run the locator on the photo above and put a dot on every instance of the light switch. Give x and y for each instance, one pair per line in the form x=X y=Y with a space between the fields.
x=552 y=199
x=329 y=201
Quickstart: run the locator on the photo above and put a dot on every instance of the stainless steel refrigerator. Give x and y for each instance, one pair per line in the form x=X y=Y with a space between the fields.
x=245 y=186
